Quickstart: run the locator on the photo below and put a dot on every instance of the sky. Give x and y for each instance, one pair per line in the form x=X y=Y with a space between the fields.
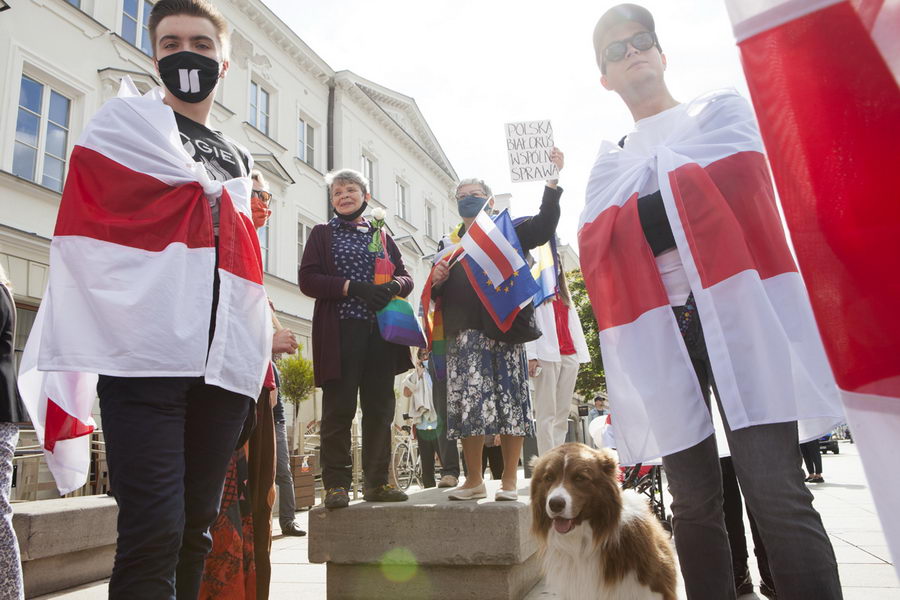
x=474 y=65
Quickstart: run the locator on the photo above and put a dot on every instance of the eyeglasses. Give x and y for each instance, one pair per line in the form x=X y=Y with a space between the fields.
x=643 y=40
x=266 y=197
x=476 y=194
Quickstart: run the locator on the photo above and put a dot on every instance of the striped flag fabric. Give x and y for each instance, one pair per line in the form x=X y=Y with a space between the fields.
x=488 y=246
x=823 y=76
x=504 y=298
x=132 y=263
x=765 y=351
x=544 y=272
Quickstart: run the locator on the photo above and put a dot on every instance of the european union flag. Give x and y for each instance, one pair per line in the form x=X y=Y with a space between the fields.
x=505 y=299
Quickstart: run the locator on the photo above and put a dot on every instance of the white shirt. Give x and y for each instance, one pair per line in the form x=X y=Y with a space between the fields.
x=648 y=133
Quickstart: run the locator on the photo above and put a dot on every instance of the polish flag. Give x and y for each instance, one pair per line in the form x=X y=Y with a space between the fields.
x=765 y=351
x=132 y=262
x=824 y=76
x=485 y=243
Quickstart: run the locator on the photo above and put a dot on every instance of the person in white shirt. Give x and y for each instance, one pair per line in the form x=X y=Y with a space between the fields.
x=553 y=363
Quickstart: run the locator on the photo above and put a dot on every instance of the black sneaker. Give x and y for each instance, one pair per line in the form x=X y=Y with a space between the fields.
x=336 y=497
x=743 y=584
x=292 y=529
x=384 y=493
x=767 y=591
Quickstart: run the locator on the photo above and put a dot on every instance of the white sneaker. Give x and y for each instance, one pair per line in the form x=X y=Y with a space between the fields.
x=475 y=493
x=508 y=495
x=448 y=481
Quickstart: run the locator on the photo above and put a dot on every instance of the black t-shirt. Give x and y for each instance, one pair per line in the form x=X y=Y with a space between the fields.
x=223 y=161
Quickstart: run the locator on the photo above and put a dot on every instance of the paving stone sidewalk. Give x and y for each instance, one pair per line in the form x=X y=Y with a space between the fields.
x=843 y=500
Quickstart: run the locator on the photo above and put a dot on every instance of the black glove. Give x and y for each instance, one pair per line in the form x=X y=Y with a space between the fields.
x=383 y=294
x=363 y=290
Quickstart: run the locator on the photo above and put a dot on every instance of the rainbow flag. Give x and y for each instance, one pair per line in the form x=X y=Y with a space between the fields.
x=396 y=321
x=433 y=321
x=398 y=324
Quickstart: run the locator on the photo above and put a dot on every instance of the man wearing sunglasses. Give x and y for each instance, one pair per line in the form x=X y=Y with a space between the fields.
x=680 y=227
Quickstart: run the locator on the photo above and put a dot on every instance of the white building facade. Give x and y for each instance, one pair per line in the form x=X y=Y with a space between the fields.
x=297 y=116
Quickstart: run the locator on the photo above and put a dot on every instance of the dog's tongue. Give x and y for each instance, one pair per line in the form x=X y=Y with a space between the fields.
x=563 y=525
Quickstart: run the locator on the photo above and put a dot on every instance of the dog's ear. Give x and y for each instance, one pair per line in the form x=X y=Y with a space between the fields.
x=608 y=460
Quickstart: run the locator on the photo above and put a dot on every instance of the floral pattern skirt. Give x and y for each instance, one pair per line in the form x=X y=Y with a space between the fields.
x=487 y=387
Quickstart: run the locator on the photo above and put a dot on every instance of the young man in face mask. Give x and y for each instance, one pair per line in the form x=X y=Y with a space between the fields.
x=169 y=439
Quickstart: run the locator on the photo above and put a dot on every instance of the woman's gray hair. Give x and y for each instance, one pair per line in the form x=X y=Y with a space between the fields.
x=346 y=176
x=257 y=176
x=473 y=181
x=4 y=280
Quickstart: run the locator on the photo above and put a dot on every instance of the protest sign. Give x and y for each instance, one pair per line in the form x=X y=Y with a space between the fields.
x=528 y=145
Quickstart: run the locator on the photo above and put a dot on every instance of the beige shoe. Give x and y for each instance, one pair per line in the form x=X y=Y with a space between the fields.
x=448 y=481
x=475 y=493
x=507 y=495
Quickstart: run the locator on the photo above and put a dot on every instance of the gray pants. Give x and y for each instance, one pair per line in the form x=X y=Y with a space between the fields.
x=283 y=478
x=10 y=563
x=767 y=463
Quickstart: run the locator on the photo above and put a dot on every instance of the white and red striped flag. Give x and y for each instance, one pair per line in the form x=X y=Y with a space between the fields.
x=485 y=243
x=765 y=351
x=823 y=76
x=132 y=262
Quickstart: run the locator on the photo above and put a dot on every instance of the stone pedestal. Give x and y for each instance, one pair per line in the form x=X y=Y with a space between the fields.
x=65 y=542
x=427 y=548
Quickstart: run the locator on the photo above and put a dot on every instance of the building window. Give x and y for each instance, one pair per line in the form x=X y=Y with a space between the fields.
x=367 y=168
x=264 y=233
x=259 y=107
x=42 y=134
x=306 y=142
x=75 y=3
x=303 y=231
x=402 y=201
x=135 y=17
x=24 y=322
x=429 y=220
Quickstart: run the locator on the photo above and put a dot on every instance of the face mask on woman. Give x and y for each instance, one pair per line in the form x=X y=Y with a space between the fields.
x=470 y=206
x=189 y=76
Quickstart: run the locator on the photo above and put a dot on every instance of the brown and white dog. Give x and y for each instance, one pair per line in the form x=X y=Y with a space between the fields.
x=597 y=541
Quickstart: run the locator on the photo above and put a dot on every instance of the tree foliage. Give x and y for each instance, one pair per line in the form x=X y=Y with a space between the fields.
x=297 y=379
x=591 y=377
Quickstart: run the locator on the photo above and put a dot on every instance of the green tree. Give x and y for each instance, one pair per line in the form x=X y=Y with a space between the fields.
x=591 y=377
x=297 y=383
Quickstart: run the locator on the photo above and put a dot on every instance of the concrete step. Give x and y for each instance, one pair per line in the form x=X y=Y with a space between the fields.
x=427 y=547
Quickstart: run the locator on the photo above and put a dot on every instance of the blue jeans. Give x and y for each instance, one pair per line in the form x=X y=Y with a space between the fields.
x=767 y=464
x=168 y=443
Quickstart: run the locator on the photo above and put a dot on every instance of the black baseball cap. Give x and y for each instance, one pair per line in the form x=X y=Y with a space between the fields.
x=620 y=14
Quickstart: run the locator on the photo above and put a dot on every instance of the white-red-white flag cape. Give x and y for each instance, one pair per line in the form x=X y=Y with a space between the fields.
x=132 y=262
x=824 y=77
x=765 y=351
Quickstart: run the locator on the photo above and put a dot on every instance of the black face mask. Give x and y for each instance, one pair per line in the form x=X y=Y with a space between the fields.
x=190 y=77
x=355 y=214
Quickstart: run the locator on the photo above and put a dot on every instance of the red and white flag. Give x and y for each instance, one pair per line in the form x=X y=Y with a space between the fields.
x=824 y=76
x=486 y=245
x=132 y=262
x=764 y=348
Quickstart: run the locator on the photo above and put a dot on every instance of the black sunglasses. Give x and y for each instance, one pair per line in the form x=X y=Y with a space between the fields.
x=640 y=41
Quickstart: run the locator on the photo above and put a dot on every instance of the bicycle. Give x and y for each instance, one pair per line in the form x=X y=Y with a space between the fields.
x=405 y=466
